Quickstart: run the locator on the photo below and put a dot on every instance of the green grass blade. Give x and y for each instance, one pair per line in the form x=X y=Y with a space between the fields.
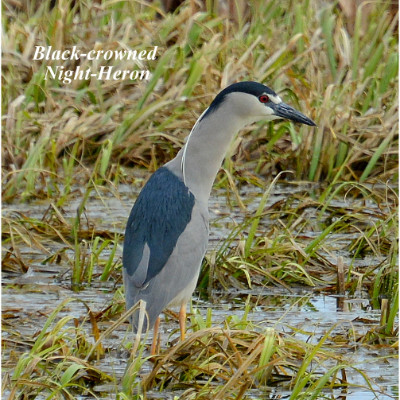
x=373 y=160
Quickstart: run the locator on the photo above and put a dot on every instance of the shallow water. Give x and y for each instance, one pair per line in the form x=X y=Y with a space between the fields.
x=28 y=299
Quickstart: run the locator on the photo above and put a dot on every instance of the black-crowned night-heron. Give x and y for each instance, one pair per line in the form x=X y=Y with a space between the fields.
x=167 y=231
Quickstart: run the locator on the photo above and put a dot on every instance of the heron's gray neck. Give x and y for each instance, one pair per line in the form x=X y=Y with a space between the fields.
x=201 y=157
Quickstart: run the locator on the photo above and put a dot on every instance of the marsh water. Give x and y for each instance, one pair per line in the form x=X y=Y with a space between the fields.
x=29 y=298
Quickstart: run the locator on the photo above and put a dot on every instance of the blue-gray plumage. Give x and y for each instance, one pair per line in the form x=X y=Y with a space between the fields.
x=162 y=212
x=159 y=216
x=167 y=231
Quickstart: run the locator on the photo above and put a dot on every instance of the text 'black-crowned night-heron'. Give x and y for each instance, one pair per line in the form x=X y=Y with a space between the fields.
x=167 y=231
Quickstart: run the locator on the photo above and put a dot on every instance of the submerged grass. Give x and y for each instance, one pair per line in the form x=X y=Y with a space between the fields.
x=239 y=357
x=222 y=362
x=65 y=144
x=58 y=351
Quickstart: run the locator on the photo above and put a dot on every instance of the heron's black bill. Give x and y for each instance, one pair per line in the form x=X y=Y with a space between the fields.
x=283 y=110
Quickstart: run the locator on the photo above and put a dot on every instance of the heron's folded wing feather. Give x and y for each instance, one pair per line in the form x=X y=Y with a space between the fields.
x=159 y=216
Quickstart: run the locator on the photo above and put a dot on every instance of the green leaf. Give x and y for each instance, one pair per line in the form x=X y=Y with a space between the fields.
x=70 y=372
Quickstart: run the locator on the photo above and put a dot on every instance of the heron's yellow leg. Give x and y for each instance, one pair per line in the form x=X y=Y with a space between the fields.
x=182 y=321
x=155 y=337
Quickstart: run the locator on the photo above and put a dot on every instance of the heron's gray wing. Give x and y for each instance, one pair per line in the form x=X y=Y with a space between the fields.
x=160 y=215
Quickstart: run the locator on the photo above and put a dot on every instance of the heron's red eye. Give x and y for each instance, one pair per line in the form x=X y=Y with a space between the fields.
x=264 y=98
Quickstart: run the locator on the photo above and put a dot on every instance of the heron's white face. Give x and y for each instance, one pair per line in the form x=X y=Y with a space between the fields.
x=265 y=106
x=252 y=107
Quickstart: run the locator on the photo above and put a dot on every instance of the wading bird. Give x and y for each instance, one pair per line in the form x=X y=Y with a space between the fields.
x=167 y=231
